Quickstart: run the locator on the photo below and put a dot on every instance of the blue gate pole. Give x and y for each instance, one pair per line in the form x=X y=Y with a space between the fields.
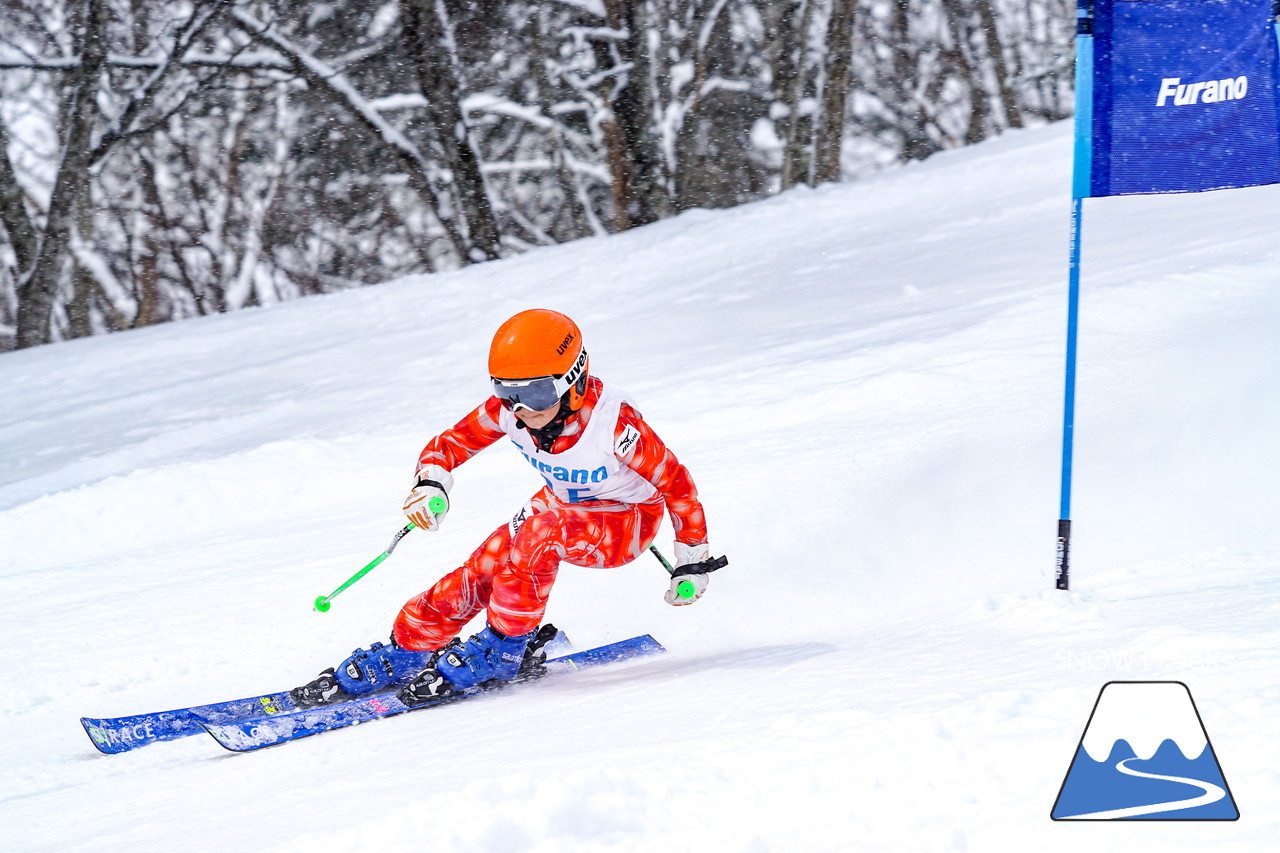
x=1062 y=569
x=1080 y=189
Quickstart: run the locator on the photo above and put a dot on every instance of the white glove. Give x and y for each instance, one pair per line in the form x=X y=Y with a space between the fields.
x=428 y=503
x=688 y=588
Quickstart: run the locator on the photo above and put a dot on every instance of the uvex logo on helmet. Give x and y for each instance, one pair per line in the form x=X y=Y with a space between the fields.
x=575 y=372
x=564 y=345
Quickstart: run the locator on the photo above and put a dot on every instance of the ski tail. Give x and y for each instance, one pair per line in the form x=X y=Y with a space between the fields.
x=635 y=647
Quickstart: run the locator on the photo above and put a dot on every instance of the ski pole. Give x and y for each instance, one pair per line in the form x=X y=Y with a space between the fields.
x=686 y=589
x=322 y=602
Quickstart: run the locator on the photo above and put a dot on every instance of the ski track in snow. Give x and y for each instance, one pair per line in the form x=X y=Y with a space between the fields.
x=865 y=381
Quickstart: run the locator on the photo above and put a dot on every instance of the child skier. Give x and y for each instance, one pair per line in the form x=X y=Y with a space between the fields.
x=608 y=476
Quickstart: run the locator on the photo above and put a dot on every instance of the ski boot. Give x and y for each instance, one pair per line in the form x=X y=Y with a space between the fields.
x=378 y=667
x=535 y=654
x=488 y=657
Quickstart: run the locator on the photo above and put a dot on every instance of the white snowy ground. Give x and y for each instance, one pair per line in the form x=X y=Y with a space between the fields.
x=866 y=382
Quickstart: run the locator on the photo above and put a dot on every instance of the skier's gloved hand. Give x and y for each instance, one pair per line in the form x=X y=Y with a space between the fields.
x=687 y=589
x=431 y=483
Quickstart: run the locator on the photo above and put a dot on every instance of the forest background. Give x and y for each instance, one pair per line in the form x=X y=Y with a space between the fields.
x=161 y=160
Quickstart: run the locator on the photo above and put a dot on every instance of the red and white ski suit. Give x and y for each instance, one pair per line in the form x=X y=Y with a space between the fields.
x=608 y=476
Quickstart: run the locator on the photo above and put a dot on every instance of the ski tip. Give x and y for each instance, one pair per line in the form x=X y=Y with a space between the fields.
x=112 y=738
x=232 y=737
x=97 y=736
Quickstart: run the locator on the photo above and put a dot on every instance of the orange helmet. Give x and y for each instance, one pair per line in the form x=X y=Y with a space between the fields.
x=536 y=359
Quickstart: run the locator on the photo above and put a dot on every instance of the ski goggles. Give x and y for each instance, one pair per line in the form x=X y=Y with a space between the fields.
x=536 y=395
x=540 y=393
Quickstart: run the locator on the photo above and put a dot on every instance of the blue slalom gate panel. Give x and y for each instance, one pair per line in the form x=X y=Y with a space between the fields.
x=1183 y=96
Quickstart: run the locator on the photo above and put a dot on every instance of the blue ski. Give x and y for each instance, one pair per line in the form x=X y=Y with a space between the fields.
x=113 y=735
x=269 y=730
x=121 y=734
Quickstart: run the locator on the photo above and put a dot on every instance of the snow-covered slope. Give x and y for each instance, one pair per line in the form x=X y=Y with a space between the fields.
x=866 y=383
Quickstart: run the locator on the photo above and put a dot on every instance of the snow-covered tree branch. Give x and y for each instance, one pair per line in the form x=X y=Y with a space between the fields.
x=160 y=160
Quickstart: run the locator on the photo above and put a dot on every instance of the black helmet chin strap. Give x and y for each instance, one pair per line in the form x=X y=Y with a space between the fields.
x=547 y=436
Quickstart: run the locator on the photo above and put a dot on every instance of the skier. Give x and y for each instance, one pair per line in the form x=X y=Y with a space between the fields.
x=608 y=476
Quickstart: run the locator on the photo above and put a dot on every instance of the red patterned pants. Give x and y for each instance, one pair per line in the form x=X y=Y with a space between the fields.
x=511 y=577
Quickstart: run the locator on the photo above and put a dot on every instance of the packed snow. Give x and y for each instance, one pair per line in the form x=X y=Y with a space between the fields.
x=866 y=383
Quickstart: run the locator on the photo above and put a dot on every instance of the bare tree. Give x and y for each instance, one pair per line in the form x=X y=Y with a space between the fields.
x=163 y=160
x=835 y=92
x=23 y=238
x=635 y=108
x=36 y=308
x=429 y=41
